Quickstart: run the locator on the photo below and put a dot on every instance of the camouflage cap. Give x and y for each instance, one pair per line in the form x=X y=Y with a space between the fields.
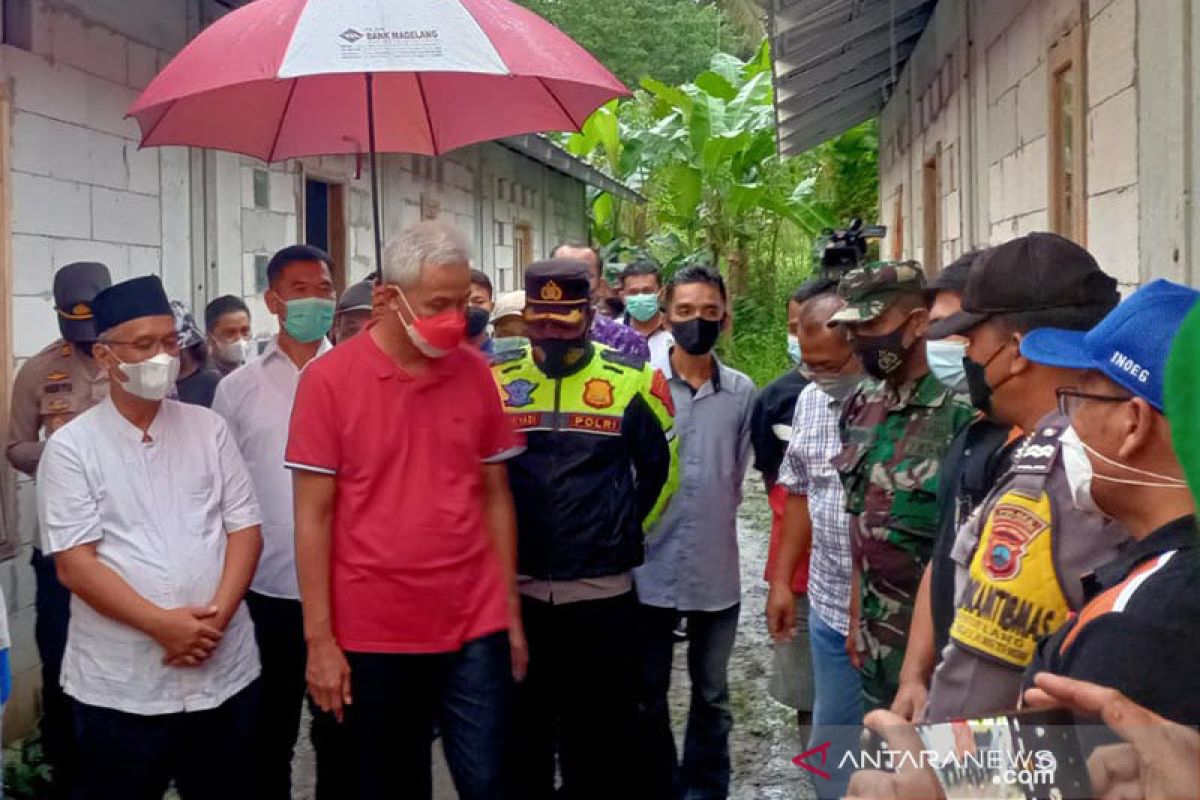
x=870 y=290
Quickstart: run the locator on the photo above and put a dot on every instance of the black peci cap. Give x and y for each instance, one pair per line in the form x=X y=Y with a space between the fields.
x=131 y=299
x=557 y=289
x=1037 y=272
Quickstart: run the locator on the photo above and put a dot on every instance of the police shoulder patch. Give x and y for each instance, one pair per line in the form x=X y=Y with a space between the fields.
x=1037 y=454
x=518 y=393
x=621 y=359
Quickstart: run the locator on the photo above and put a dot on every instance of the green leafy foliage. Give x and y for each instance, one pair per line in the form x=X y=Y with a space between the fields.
x=672 y=40
x=703 y=153
x=26 y=772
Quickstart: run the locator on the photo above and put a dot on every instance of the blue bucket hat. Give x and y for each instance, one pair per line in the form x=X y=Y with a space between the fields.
x=1130 y=346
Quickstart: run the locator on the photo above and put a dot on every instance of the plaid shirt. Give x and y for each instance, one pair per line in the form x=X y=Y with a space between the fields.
x=806 y=470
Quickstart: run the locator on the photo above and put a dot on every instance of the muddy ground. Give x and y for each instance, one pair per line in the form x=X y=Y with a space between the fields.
x=764 y=735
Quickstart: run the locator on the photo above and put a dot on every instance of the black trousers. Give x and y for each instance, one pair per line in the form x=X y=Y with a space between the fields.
x=208 y=754
x=579 y=699
x=279 y=631
x=397 y=699
x=53 y=604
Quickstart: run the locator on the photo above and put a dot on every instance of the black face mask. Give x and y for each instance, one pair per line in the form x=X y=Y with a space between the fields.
x=696 y=336
x=560 y=356
x=977 y=385
x=882 y=355
x=477 y=320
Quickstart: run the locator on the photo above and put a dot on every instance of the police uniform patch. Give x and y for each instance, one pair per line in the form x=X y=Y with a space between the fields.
x=58 y=388
x=1013 y=528
x=518 y=393
x=55 y=377
x=598 y=393
x=661 y=390
x=66 y=350
x=1036 y=456
x=58 y=406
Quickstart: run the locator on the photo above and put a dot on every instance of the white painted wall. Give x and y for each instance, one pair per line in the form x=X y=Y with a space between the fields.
x=82 y=190
x=987 y=64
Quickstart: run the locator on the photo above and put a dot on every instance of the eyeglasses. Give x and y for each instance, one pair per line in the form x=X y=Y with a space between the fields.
x=810 y=374
x=1070 y=399
x=148 y=346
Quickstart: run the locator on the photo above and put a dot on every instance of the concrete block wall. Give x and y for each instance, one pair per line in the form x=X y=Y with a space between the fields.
x=991 y=134
x=82 y=190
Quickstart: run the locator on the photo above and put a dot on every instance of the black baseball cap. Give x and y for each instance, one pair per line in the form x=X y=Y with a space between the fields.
x=954 y=277
x=1036 y=272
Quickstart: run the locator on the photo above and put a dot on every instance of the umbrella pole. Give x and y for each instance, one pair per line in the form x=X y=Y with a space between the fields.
x=374 y=179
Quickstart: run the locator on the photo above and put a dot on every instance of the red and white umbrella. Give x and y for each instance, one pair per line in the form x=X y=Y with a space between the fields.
x=279 y=79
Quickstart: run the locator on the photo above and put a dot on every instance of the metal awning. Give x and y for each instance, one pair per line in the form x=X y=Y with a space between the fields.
x=835 y=62
x=546 y=152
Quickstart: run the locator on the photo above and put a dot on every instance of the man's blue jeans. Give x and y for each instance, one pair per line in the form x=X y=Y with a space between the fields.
x=397 y=697
x=705 y=771
x=837 y=706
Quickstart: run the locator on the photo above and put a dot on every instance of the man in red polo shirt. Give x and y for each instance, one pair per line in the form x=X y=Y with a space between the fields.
x=405 y=534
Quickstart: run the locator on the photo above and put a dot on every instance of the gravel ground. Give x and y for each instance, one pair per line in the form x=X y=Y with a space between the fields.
x=764 y=737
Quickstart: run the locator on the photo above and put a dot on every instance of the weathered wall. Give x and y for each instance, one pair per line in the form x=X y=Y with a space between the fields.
x=976 y=96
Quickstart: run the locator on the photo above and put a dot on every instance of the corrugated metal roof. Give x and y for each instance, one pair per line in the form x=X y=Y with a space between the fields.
x=544 y=151
x=835 y=62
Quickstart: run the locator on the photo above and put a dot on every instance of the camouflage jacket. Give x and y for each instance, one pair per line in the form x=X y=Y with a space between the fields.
x=895 y=440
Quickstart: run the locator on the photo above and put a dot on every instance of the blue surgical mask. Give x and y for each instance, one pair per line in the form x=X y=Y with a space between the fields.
x=945 y=357
x=794 y=349
x=504 y=344
x=642 y=307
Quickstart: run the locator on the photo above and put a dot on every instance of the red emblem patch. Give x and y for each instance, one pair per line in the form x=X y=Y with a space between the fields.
x=1013 y=528
x=662 y=390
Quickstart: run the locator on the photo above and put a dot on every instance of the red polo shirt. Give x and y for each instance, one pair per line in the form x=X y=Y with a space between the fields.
x=413 y=569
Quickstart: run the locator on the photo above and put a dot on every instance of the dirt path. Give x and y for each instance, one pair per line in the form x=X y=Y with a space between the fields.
x=764 y=734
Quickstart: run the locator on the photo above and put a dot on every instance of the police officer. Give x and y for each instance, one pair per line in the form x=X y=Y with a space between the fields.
x=1019 y=556
x=52 y=388
x=597 y=472
x=896 y=430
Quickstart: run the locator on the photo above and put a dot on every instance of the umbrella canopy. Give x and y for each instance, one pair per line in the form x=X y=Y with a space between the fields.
x=280 y=79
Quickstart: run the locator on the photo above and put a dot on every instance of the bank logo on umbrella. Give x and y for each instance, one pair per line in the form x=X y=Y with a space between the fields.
x=351 y=35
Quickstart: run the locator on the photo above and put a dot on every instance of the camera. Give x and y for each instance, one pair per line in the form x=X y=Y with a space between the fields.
x=842 y=251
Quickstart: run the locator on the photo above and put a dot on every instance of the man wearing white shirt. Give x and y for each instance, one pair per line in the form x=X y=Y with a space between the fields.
x=256 y=402
x=641 y=285
x=148 y=510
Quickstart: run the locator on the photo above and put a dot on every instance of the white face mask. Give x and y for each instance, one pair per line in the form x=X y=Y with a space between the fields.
x=1080 y=473
x=153 y=378
x=239 y=351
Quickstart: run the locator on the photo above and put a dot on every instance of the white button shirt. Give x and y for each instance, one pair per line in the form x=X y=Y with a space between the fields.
x=256 y=402
x=160 y=512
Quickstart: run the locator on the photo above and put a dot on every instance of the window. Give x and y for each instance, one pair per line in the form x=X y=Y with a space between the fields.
x=931 y=211
x=1068 y=209
x=897 y=229
x=262 y=188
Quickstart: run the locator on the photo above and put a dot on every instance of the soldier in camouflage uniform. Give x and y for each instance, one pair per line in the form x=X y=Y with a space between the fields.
x=896 y=430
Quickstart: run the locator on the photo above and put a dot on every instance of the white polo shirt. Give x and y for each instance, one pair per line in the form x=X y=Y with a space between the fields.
x=160 y=512
x=256 y=402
